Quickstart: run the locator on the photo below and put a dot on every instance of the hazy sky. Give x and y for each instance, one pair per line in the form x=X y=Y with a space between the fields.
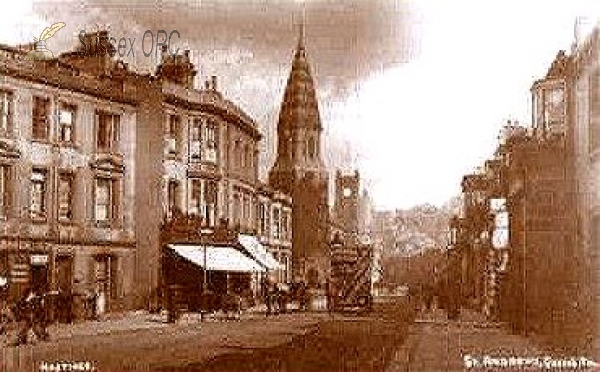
x=413 y=93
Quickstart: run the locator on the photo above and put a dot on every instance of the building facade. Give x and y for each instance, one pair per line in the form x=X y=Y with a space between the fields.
x=584 y=96
x=274 y=229
x=536 y=268
x=67 y=175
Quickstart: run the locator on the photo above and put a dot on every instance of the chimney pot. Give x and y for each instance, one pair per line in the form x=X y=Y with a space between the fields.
x=207 y=85
x=214 y=82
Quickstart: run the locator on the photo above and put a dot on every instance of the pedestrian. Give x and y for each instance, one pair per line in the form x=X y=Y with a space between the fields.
x=32 y=316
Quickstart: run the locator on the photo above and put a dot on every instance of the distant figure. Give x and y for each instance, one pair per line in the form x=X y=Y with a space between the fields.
x=427 y=294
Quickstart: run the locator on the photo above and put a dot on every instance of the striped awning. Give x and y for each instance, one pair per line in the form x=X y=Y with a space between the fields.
x=217 y=258
x=259 y=252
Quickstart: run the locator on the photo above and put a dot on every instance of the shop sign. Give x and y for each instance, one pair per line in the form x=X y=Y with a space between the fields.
x=39 y=259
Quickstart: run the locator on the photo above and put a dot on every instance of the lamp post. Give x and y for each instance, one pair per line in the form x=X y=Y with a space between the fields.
x=205 y=232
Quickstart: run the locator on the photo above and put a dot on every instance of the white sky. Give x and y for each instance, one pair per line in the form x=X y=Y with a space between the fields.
x=422 y=125
x=419 y=126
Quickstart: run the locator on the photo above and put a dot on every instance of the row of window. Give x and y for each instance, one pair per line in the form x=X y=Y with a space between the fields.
x=280 y=222
x=203 y=138
x=107 y=124
x=243 y=155
x=203 y=199
x=106 y=195
x=242 y=208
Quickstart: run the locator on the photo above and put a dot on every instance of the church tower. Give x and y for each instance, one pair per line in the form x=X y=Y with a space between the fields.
x=300 y=172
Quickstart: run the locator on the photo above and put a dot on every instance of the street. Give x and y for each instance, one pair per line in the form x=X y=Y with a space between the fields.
x=290 y=342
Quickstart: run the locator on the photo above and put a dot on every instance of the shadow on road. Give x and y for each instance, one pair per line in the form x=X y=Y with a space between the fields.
x=341 y=343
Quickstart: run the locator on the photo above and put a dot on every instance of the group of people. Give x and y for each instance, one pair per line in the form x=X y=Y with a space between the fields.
x=36 y=309
x=440 y=293
x=29 y=314
x=277 y=296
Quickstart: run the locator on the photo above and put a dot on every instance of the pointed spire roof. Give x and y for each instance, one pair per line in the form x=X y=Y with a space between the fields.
x=300 y=106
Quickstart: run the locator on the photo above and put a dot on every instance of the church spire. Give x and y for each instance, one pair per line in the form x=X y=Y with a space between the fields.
x=299 y=127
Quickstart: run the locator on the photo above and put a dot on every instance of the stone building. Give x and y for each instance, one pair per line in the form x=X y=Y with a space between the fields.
x=67 y=177
x=299 y=171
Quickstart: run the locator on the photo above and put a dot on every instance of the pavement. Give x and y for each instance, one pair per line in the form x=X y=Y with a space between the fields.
x=140 y=341
x=470 y=343
x=115 y=323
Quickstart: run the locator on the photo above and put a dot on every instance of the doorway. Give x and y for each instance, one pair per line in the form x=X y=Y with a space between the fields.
x=39 y=278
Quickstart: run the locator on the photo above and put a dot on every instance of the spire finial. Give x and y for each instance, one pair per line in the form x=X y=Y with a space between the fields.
x=302 y=26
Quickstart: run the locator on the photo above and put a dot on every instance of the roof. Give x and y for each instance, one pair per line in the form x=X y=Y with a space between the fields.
x=300 y=106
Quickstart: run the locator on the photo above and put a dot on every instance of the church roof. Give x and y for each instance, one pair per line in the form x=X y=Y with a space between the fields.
x=300 y=106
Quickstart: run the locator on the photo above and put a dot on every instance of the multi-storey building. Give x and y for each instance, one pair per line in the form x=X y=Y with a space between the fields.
x=96 y=158
x=67 y=178
x=538 y=235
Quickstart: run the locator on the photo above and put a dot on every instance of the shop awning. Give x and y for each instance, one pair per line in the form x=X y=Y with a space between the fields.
x=217 y=258
x=259 y=252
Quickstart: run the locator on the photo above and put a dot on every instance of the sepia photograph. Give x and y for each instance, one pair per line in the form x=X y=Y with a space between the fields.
x=299 y=185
